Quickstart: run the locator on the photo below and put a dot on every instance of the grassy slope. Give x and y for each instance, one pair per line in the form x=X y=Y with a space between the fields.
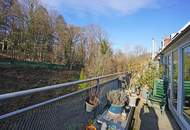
x=14 y=79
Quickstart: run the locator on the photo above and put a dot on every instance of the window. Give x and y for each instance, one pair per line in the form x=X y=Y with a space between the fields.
x=167 y=68
x=167 y=72
x=175 y=79
x=186 y=81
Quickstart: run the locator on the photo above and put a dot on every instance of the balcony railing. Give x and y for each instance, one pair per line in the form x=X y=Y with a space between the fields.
x=65 y=112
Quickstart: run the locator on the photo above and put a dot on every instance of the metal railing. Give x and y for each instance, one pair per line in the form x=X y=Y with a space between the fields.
x=65 y=112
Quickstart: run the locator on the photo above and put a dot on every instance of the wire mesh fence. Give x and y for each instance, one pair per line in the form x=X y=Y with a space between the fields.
x=66 y=112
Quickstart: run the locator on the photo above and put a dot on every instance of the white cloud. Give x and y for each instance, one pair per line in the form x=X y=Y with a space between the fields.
x=100 y=7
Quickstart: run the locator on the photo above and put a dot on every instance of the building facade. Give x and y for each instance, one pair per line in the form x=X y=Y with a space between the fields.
x=175 y=58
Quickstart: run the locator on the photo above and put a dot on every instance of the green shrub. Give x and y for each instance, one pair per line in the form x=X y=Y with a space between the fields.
x=82 y=77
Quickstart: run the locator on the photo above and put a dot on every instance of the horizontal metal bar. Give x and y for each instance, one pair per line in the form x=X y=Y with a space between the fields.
x=46 y=102
x=47 y=88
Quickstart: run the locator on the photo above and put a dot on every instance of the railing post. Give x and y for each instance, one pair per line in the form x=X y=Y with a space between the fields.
x=97 y=92
x=97 y=86
x=98 y=83
x=119 y=82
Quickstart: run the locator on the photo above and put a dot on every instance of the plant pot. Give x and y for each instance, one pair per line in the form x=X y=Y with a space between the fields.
x=89 y=107
x=115 y=110
x=132 y=101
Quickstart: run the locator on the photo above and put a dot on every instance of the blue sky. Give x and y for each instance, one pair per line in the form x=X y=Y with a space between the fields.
x=128 y=23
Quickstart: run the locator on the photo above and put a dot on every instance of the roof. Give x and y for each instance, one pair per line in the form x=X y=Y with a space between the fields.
x=178 y=35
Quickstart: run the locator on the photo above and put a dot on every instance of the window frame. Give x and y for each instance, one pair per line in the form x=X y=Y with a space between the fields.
x=178 y=114
x=172 y=80
x=183 y=90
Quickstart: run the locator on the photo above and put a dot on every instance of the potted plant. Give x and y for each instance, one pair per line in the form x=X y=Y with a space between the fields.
x=117 y=98
x=93 y=99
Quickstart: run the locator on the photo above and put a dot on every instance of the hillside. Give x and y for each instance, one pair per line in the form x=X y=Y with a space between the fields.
x=15 y=79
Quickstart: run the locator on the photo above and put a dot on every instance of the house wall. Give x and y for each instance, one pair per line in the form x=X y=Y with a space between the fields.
x=178 y=113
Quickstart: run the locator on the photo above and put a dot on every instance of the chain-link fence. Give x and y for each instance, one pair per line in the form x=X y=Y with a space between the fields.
x=65 y=112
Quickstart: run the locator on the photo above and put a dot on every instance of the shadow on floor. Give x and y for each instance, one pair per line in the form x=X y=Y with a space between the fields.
x=149 y=119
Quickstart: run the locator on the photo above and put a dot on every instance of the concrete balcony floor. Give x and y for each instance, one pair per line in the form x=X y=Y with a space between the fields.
x=149 y=117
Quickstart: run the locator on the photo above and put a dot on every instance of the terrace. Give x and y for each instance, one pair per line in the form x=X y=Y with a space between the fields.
x=68 y=111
